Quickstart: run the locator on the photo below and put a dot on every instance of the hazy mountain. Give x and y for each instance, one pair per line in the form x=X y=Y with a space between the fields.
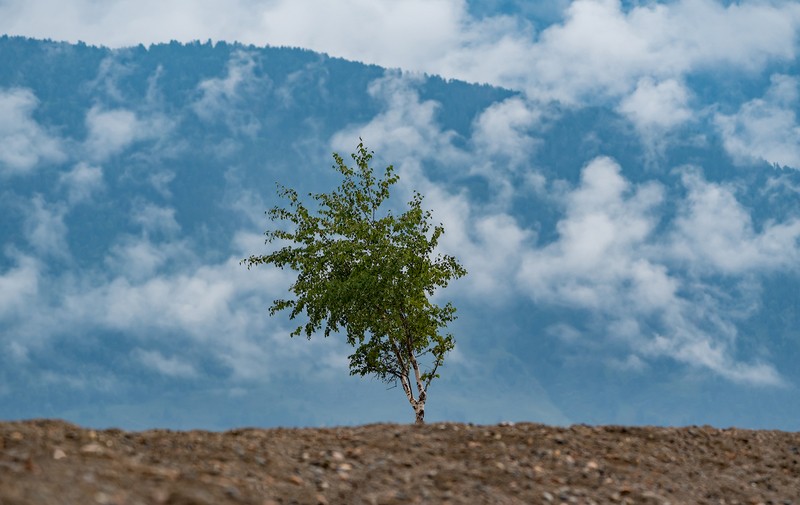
x=631 y=261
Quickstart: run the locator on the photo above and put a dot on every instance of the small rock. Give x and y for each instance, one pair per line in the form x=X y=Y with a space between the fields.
x=92 y=448
x=547 y=497
x=337 y=456
x=651 y=497
x=59 y=454
x=16 y=436
x=320 y=499
x=102 y=498
x=296 y=479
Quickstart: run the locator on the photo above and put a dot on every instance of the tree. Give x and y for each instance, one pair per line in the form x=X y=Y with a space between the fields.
x=371 y=273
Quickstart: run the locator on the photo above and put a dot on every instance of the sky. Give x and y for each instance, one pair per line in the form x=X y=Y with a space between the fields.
x=658 y=266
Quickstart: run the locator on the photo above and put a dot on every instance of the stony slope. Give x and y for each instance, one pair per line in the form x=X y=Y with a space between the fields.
x=45 y=461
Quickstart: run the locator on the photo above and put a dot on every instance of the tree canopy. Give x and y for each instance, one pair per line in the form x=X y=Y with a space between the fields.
x=369 y=273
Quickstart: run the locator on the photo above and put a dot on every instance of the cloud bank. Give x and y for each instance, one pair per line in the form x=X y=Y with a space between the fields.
x=637 y=260
x=598 y=46
x=646 y=279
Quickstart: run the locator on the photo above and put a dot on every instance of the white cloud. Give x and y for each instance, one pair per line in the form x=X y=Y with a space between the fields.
x=173 y=366
x=225 y=98
x=659 y=106
x=19 y=286
x=137 y=259
x=406 y=128
x=591 y=264
x=601 y=49
x=489 y=244
x=112 y=131
x=24 y=144
x=598 y=49
x=155 y=219
x=564 y=332
x=714 y=355
x=160 y=180
x=82 y=182
x=373 y=27
x=503 y=131
x=126 y=22
x=218 y=307
x=714 y=233
x=45 y=229
x=608 y=261
x=765 y=128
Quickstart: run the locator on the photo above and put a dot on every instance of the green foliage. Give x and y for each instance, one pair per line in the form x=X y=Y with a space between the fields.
x=368 y=272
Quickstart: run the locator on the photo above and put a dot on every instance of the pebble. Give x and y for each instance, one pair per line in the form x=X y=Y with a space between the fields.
x=59 y=454
x=102 y=498
x=92 y=448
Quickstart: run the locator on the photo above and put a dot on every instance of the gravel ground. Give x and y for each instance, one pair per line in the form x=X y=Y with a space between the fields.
x=53 y=462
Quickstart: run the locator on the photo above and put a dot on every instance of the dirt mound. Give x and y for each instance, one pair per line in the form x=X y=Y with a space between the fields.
x=44 y=462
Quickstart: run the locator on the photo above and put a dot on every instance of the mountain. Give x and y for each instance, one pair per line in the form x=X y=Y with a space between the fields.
x=631 y=262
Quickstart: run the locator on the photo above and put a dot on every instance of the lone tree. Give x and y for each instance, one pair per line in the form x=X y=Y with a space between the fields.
x=369 y=272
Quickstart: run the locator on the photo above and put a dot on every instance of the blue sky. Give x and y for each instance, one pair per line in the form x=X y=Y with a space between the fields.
x=626 y=210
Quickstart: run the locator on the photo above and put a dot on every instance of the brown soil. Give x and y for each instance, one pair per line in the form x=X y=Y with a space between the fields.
x=44 y=462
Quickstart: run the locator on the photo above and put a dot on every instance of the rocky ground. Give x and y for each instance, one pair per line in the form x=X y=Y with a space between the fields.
x=53 y=462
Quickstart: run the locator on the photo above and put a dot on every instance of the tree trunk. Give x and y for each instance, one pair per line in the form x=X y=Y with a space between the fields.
x=422 y=394
x=419 y=412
